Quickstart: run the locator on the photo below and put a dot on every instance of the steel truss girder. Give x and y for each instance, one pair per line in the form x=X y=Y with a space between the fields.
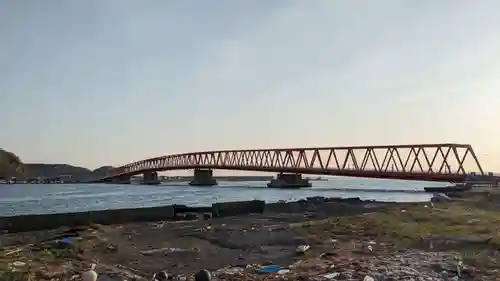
x=414 y=162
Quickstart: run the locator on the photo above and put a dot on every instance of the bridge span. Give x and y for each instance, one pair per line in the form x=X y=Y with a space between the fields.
x=446 y=162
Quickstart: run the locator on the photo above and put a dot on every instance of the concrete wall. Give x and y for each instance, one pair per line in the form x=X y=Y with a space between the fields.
x=51 y=221
x=238 y=208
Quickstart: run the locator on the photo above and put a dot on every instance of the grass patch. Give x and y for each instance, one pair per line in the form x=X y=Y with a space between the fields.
x=37 y=263
x=472 y=232
x=452 y=219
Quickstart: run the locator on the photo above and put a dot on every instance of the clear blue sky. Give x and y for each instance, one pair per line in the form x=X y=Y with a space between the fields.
x=106 y=82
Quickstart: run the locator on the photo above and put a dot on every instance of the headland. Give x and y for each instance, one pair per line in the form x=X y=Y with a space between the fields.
x=11 y=166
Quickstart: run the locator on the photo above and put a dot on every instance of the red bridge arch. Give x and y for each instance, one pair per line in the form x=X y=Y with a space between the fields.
x=425 y=162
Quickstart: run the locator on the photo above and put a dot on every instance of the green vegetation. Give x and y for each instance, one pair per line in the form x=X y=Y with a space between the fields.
x=10 y=165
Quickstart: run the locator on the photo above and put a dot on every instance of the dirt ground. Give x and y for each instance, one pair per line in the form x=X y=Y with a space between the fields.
x=435 y=241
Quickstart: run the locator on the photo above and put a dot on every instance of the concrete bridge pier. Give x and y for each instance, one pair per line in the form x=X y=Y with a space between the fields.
x=203 y=177
x=150 y=178
x=283 y=180
x=125 y=179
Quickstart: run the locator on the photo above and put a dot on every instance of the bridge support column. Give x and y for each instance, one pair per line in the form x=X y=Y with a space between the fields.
x=150 y=178
x=289 y=181
x=121 y=180
x=203 y=177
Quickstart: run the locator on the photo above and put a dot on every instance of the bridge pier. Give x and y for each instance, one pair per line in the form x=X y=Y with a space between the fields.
x=289 y=181
x=203 y=177
x=125 y=179
x=150 y=178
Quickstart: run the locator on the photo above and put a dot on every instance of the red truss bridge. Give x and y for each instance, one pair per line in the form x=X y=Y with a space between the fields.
x=447 y=162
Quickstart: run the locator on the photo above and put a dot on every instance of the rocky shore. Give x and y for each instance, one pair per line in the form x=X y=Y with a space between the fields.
x=320 y=241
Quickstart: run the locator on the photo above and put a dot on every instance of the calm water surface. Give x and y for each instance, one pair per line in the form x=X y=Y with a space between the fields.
x=58 y=198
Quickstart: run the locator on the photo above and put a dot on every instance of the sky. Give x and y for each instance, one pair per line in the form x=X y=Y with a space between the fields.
x=108 y=82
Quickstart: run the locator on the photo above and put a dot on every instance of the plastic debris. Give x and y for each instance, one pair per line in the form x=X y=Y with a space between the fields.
x=230 y=271
x=269 y=269
x=302 y=248
x=370 y=248
x=331 y=275
x=283 y=271
x=18 y=264
x=66 y=240
x=368 y=278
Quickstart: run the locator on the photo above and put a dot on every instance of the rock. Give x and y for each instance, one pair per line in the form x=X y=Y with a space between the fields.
x=161 y=276
x=90 y=275
x=203 y=275
x=440 y=197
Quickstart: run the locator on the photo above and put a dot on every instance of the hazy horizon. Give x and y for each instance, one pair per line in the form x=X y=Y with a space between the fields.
x=96 y=83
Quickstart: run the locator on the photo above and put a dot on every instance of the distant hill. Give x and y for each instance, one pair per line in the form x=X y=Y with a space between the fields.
x=102 y=171
x=12 y=166
x=55 y=170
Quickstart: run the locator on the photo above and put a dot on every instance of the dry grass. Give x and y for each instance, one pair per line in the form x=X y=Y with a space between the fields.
x=48 y=263
x=458 y=227
x=415 y=223
x=453 y=219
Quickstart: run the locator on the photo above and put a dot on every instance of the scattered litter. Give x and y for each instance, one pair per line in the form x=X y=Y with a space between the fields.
x=159 y=224
x=160 y=276
x=302 y=248
x=283 y=271
x=269 y=269
x=66 y=240
x=368 y=278
x=90 y=275
x=13 y=252
x=18 y=264
x=230 y=270
x=168 y=250
x=331 y=275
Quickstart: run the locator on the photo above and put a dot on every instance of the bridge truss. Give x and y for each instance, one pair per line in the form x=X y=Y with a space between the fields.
x=433 y=162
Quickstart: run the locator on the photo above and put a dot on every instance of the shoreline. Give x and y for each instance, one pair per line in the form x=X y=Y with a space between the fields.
x=33 y=222
x=409 y=240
